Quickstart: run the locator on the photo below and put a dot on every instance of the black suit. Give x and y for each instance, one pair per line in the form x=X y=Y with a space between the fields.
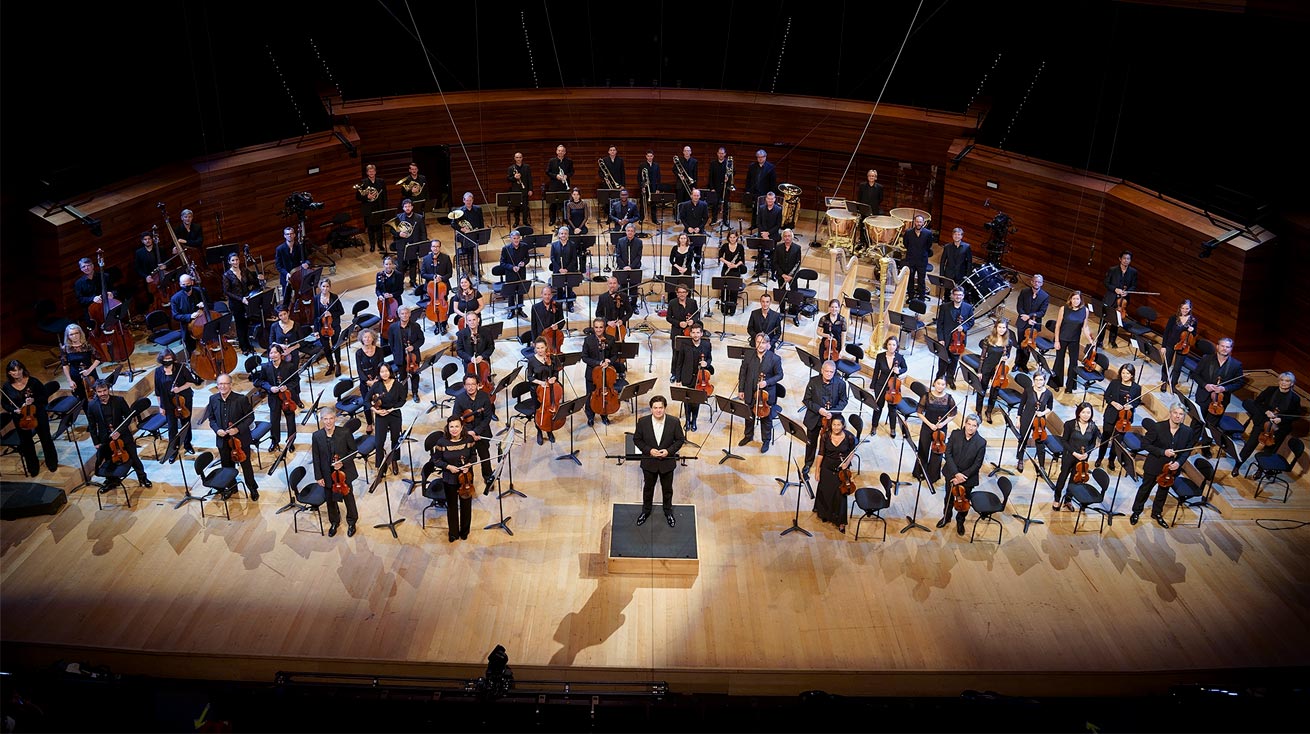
x=1155 y=442
x=760 y=180
x=671 y=440
x=769 y=220
x=483 y=410
x=235 y=412
x=689 y=166
x=948 y=318
x=103 y=419
x=396 y=338
x=1115 y=277
x=870 y=196
x=918 y=248
x=514 y=283
x=1210 y=372
x=957 y=262
x=522 y=185
x=621 y=213
x=818 y=395
x=615 y=168
x=963 y=456
x=748 y=382
x=286 y=375
x=553 y=169
x=322 y=449
x=722 y=185
x=1034 y=305
x=694 y=216
x=769 y=323
x=367 y=209
x=183 y=305
x=565 y=256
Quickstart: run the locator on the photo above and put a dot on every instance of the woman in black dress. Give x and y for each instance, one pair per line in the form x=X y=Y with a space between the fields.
x=832 y=324
x=884 y=364
x=834 y=448
x=935 y=411
x=454 y=455
x=466 y=300
x=577 y=212
x=173 y=380
x=388 y=397
x=995 y=349
x=1182 y=322
x=286 y=333
x=21 y=389
x=327 y=302
x=79 y=361
x=732 y=257
x=1070 y=330
x=1037 y=402
x=542 y=372
x=1080 y=437
x=680 y=257
x=368 y=358
x=1119 y=394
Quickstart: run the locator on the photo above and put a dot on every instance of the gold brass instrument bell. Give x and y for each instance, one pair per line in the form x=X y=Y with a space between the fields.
x=791 y=204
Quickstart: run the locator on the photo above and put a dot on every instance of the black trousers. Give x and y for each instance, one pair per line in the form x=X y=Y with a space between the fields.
x=1040 y=448
x=648 y=489
x=175 y=422
x=1252 y=442
x=1172 y=367
x=459 y=511
x=948 y=367
x=276 y=415
x=948 y=507
x=812 y=438
x=334 y=512
x=918 y=280
x=27 y=446
x=242 y=324
x=1161 y=494
x=384 y=425
x=248 y=471
x=483 y=448
x=1062 y=375
x=1067 y=462
x=766 y=426
x=130 y=447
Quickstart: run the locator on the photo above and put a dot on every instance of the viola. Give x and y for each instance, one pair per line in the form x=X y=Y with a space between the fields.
x=1265 y=440
x=846 y=480
x=960 y=497
x=604 y=398
x=1001 y=379
x=1121 y=305
x=1216 y=406
x=1081 y=472
x=117 y=451
x=325 y=329
x=893 y=395
x=956 y=346
x=466 y=489
x=288 y=401
x=411 y=360
x=939 y=441
x=340 y=485
x=1039 y=428
x=1166 y=476
x=703 y=381
x=1186 y=341
x=180 y=407
x=27 y=416
x=1125 y=420
x=1029 y=337
x=1089 y=360
x=762 y=407
x=467 y=416
x=830 y=349
x=235 y=450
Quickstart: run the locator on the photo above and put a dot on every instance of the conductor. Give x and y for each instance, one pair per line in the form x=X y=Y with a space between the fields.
x=657 y=440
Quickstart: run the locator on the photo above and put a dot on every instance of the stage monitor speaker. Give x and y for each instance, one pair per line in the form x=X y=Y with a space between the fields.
x=434 y=162
x=27 y=499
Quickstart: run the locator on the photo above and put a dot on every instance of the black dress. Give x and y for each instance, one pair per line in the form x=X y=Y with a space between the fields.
x=829 y=502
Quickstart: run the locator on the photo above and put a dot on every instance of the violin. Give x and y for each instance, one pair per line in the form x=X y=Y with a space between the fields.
x=960 y=497
x=846 y=480
x=939 y=441
x=235 y=450
x=117 y=451
x=411 y=360
x=466 y=489
x=288 y=401
x=1089 y=360
x=830 y=348
x=1039 y=428
x=762 y=407
x=180 y=407
x=703 y=381
x=27 y=416
x=956 y=346
x=340 y=485
x=1125 y=420
x=1186 y=340
x=1265 y=440
x=467 y=416
x=325 y=329
x=1216 y=406
x=893 y=393
x=1029 y=337
x=604 y=398
x=1081 y=472
x=1001 y=379
x=1121 y=305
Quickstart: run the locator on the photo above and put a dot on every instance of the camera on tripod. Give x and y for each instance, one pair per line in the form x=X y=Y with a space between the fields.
x=302 y=201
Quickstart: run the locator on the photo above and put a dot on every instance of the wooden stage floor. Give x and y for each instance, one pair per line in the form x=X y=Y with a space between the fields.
x=1042 y=613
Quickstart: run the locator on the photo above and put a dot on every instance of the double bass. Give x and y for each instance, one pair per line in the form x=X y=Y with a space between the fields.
x=108 y=334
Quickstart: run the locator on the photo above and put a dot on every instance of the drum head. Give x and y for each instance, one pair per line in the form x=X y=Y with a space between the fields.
x=984 y=283
x=882 y=229
x=907 y=214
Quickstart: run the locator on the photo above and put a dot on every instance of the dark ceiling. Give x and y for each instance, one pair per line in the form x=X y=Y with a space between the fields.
x=1193 y=102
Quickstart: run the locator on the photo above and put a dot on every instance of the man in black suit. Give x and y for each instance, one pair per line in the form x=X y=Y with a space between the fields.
x=416 y=224
x=477 y=404
x=565 y=258
x=964 y=459
x=760 y=370
x=1119 y=280
x=1217 y=374
x=514 y=273
x=331 y=449
x=764 y=320
x=622 y=211
x=825 y=396
x=648 y=178
x=105 y=418
x=1163 y=443
x=720 y=180
x=957 y=258
x=693 y=214
x=1033 y=302
x=559 y=172
x=768 y=218
x=786 y=264
x=918 y=248
x=761 y=179
x=404 y=337
x=372 y=196
x=519 y=178
x=466 y=248
x=870 y=193
x=185 y=304
x=230 y=414
x=953 y=316
x=657 y=439
x=689 y=166
x=288 y=255
x=613 y=165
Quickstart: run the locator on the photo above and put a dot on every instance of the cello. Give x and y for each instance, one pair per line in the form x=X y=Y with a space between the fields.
x=215 y=356
x=438 y=301
x=549 y=397
x=481 y=369
x=388 y=312
x=604 y=398
x=554 y=337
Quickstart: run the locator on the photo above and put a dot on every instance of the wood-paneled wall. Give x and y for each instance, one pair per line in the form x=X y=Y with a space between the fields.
x=1073 y=226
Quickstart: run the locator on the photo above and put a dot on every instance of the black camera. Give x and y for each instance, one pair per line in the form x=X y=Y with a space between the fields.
x=302 y=201
x=1000 y=225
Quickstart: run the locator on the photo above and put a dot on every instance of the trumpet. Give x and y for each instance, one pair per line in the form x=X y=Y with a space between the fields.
x=605 y=174
x=369 y=192
x=686 y=181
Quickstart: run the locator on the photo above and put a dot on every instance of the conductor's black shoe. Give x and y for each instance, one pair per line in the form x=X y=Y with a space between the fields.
x=351 y=530
x=332 y=530
x=642 y=518
x=745 y=440
x=669 y=516
x=1133 y=517
x=1159 y=520
x=942 y=522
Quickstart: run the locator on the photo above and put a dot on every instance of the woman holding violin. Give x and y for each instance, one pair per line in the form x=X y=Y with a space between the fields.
x=996 y=349
x=238 y=284
x=833 y=469
x=1271 y=420
x=1179 y=337
x=368 y=358
x=79 y=361
x=286 y=333
x=327 y=319
x=697 y=369
x=542 y=372
x=888 y=380
x=831 y=331
x=453 y=455
x=597 y=352
x=465 y=301
x=935 y=411
x=732 y=259
x=1034 y=413
x=26 y=399
x=1121 y=397
x=333 y=452
x=1079 y=438
x=280 y=381
x=387 y=396
x=174 y=392
x=1070 y=330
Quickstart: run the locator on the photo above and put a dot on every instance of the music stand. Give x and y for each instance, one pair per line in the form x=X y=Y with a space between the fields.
x=1126 y=466
x=866 y=398
x=629 y=279
x=603 y=198
x=568 y=409
x=507 y=201
x=379 y=218
x=673 y=282
x=912 y=520
x=763 y=258
x=1040 y=473
x=170 y=456
x=555 y=199
x=217 y=255
x=796 y=519
x=660 y=200
x=1000 y=457
x=467 y=245
x=722 y=283
x=796 y=430
x=684 y=395
x=565 y=283
x=626 y=350
x=392 y=521
x=506 y=460
x=809 y=360
x=733 y=408
x=634 y=390
x=794 y=299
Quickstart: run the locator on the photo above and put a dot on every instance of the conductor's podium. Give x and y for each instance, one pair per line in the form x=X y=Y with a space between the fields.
x=653 y=548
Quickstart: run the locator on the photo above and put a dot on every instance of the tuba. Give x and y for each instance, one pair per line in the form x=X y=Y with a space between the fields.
x=606 y=176
x=791 y=204
x=402 y=229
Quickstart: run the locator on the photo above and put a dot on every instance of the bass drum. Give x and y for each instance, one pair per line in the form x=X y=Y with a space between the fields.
x=984 y=283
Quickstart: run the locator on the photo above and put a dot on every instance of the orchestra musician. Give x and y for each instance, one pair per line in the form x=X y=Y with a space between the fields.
x=1037 y=402
x=627 y=256
x=286 y=333
x=768 y=218
x=831 y=450
x=694 y=214
x=614 y=166
x=471 y=346
x=869 y=193
x=1070 y=330
x=623 y=211
x=331 y=450
x=657 y=439
x=825 y=397
x=372 y=196
x=1210 y=377
x=239 y=284
x=545 y=313
x=721 y=181
x=543 y=372
x=613 y=306
x=764 y=320
x=832 y=324
x=697 y=352
x=1079 y=438
x=648 y=175
x=474 y=407
x=230 y=414
x=995 y=349
x=173 y=380
x=453 y=454
x=1162 y=443
x=388 y=396
x=418 y=232
x=682 y=313
x=1031 y=308
x=954 y=316
x=689 y=167
x=276 y=376
x=682 y=260
x=565 y=258
x=327 y=302
x=186 y=304
x=79 y=361
x=188 y=231
x=22 y=390
x=732 y=260
x=761 y=179
x=514 y=273
x=520 y=180
x=87 y=285
x=414 y=184
x=1119 y=394
x=957 y=258
x=389 y=282
x=465 y=300
x=1118 y=281
x=149 y=260
x=368 y=357
x=466 y=248
x=760 y=369
x=935 y=411
x=918 y=249
x=436 y=265
x=889 y=360
x=405 y=336
x=559 y=171
x=1182 y=321
x=288 y=256
x=577 y=212
x=1275 y=405
x=104 y=418
x=598 y=351
x=964 y=459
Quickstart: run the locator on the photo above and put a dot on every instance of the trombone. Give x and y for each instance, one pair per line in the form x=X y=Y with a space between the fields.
x=605 y=174
x=686 y=181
